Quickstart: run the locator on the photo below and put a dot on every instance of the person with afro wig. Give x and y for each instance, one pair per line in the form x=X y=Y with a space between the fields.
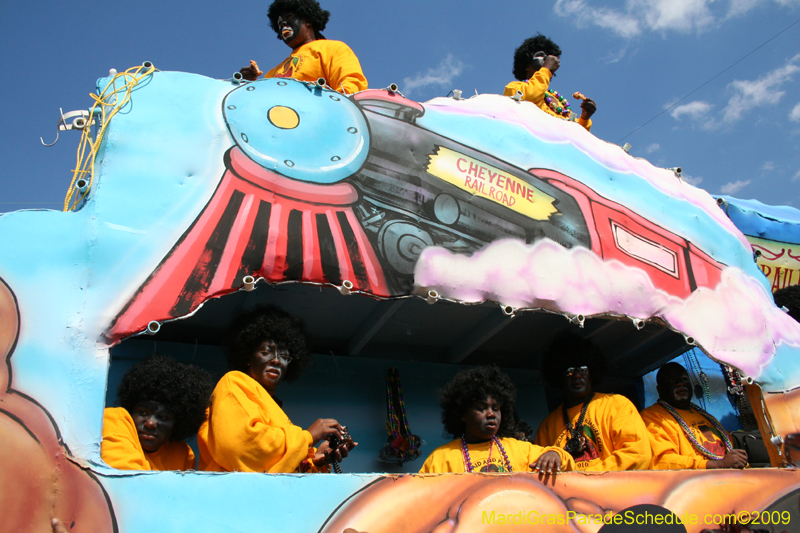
x=535 y=63
x=478 y=411
x=162 y=403
x=789 y=298
x=299 y=23
x=247 y=430
x=601 y=431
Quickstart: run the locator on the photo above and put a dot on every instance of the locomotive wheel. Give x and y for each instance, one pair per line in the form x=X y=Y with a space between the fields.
x=401 y=244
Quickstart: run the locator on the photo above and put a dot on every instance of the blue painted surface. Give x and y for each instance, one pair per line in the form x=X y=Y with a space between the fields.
x=776 y=223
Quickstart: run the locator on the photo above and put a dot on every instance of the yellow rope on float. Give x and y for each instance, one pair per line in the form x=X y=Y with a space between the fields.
x=111 y=100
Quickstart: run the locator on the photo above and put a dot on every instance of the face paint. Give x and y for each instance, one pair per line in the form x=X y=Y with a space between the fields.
x=289 y=26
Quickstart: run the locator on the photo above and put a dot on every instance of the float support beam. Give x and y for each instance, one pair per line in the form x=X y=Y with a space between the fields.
x=484 y=331
x=370 y=327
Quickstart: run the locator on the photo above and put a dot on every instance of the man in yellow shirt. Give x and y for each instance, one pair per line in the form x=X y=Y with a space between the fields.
x=601 y=431
x=163 y=402
x=299 y=24
x=535 y=64
x=682 y=435
x=477 y=409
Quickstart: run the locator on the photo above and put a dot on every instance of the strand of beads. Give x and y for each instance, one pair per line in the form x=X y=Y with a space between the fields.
x=557 y=103
x=726 y=442
x=468 y=461
x=404 y=418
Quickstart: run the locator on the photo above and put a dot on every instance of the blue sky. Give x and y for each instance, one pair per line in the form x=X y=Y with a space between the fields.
x=737 y=135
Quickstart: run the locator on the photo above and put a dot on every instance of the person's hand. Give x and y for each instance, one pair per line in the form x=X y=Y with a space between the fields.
x=324 y=454
x=324 y=427
x=251 y=72
x=733 y=459
x=552 y=63
x=588 y=107
x=548 y=464
x=58 y=526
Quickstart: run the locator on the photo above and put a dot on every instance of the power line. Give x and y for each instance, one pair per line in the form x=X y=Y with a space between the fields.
x=709 y=81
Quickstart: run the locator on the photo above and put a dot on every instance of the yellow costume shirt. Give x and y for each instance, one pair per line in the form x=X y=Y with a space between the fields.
x=534 y=89
x=332 y=60
x=616 y=435
x=246 y=431
x=521 y=454
x=122 y=450
x=672 y=450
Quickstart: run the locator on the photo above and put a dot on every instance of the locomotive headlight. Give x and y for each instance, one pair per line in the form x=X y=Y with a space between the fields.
x=300 y=130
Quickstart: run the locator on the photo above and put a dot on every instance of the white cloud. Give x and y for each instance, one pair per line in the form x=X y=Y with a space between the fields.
x=679 y=15
x=691 y=180
x=697 y=110
x=740 y=7
x=639 y=16
x=795 y=114
x=761 y=92
x=653 y=148
x=796 y=176
x=768 y=166
x=440 y=76
x=624 y=25
x=732 y=187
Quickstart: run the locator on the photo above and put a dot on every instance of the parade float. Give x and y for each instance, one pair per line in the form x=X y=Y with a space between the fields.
x=418 y=236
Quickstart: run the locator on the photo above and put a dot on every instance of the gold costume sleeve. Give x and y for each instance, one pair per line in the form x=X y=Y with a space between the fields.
x=534 y=91
x=247 y=431
x=121 y=448
x=627 y=432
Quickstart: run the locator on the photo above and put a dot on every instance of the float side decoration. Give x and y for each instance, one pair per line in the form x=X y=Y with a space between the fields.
x=202 y=183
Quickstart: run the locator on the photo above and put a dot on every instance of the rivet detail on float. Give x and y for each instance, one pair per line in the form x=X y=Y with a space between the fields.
x=347 y=287
x=578 y=319
x=432 y=297
x=153 y=327
x=508 y=309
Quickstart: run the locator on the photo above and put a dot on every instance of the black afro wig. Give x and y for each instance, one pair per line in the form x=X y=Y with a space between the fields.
x=472 y=385
x=184 y=389
x=264 y=324
x=309 y=10
x=523 y=56
x=789 y=297
x=569 y=350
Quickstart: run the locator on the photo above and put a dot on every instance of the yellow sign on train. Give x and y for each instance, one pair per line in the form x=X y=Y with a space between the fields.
x=490 y=182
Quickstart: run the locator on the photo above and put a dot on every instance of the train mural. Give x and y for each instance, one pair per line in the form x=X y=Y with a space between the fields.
x=203 y=187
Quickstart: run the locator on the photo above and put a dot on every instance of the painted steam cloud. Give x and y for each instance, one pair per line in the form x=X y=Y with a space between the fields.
x=736 y=322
